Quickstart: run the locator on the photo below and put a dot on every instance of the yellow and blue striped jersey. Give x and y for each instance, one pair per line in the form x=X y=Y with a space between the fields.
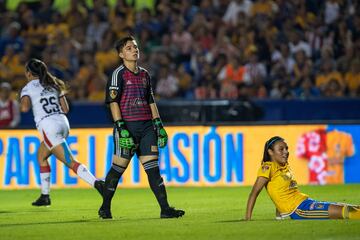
x=282 y=187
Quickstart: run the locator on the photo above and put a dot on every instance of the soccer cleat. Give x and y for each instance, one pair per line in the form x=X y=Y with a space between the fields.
x=104 y=213
x=171 y=212
x=99 y=186
x=43 y=200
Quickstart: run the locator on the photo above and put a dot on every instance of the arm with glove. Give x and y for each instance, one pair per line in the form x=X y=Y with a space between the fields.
x=125 y=139
x=159 y=128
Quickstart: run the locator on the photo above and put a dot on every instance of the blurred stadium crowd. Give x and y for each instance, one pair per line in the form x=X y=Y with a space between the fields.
x=193 y=49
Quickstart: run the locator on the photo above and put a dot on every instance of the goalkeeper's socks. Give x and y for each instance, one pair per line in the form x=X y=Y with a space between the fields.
x=351 y=212
x=85 y=174
x=45 y=179
x=111 y=182
x=156 y=182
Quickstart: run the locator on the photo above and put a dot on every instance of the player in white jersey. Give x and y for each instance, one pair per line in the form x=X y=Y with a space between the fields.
x=46 y=95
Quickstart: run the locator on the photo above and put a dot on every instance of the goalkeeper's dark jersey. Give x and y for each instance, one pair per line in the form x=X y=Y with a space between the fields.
x=132 y=91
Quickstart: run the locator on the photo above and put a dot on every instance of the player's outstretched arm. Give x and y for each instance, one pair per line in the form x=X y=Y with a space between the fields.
x=258 y=186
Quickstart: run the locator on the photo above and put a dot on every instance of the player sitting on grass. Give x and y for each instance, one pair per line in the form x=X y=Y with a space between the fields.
x=275 y=174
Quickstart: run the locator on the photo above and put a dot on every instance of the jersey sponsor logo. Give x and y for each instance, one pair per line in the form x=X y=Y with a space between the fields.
x=113 y=94
x=128 y=82
x=139 y=102
x=113 y=88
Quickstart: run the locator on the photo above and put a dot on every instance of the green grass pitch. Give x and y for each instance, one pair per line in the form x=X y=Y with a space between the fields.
x=211 y=213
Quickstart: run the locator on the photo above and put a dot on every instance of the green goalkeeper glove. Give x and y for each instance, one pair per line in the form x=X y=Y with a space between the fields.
x=160 y=132
x=125 y=140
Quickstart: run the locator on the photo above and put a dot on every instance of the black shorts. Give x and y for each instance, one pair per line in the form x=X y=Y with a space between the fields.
x=144 y=136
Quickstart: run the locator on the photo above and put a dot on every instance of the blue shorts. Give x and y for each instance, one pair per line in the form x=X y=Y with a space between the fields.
x=311 y=209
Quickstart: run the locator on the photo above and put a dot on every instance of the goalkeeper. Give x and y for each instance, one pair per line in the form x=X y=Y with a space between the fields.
x=137 y=127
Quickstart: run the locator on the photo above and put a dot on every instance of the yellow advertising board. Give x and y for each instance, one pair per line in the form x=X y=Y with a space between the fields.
x=195 y=156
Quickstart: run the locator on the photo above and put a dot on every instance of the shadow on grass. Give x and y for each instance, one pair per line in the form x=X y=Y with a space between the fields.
x=42 y=209
x=90 y=220
x=27 y=211
x=145 y=219
x=60 y=222
x=242 y=220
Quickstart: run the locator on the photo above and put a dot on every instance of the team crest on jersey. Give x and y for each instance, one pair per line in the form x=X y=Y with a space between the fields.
x=319 y=206
x=113 y=94
x=286 y=176
x=265 y=168
x=316 y=206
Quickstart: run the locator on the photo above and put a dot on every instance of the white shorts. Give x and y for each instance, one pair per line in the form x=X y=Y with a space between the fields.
x=54 y=130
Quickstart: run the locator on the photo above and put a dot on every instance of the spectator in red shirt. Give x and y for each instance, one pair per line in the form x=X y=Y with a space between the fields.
x=9 y=108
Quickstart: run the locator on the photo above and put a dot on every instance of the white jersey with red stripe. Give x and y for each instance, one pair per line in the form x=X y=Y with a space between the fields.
x=49 y=117
x=45 y=101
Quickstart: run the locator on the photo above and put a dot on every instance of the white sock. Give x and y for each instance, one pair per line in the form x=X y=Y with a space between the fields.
x=85 y=175
x=45 y=182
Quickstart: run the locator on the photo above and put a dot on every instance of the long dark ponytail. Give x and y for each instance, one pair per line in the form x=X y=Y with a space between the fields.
x=47 y=80
x=270 y=145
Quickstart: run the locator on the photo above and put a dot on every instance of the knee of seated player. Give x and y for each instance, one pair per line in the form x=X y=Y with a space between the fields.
x=336 y=211
x=147 y=158
x=120 y=161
